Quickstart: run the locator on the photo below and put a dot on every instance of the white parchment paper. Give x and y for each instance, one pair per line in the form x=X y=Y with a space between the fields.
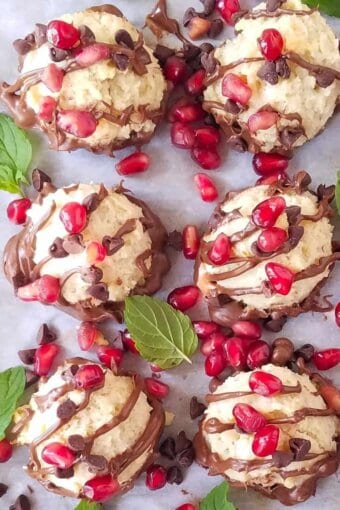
x=168 y=188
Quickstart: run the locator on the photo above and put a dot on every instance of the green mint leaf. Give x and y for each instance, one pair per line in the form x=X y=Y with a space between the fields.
x=88 y=505
x=331 y=7
x=337 y=193
x=15 y=155
x=217 y=499
x=164 y=336
x=12 y=385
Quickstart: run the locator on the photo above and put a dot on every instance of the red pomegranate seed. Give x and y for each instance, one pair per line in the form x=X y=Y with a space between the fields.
x=247 y=329
x=62 y=35
x=271 y=44
x=175 y=70
x=183 y=298
x=215 y=363
x=262 y=120
x=52 y=76
x=58 y=454
x=47 y=108
x=329 y=358
x=280 y=278
x=214 y=342
x=156 y=388
x=269 y=163
x=266 y=440
x=205 y=328
x=271 y=239
x=155 y=368
x=209 y=159
x=186 y=111
x=110 y=356
x=236 y=89
x=89 y=377
x=337 y=315
x=44 y=358
x=207 y=137
x=227 y=8
x=45 y=290
x=331 y=395
x=191 y=241
x=6 y=450
x=186 y=506
x=78 y=123
x=236 y=351
x=128 y=343
x=220 y=251
x=95 y=252
x=86 y=335
x=265 y=384
x=267 y=212
x=248 y=419
x=206 y=187
x=91 y=54
x=74 y=217
x=155 y=477
x=17 y=209
x=272 y=178
x=135 y=163
x=195 y=84
x=101 y=488
x=182 y=135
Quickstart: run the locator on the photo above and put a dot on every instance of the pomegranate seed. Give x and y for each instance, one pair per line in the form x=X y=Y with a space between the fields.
x=206 y=187
x=267 y=212
x=74 y=217
x=271 y=239
x=324 y=360
x=191 y=241
x=205 y=328
x=280 y=278
x=186 y=111
x=135 y=163
x=45 y=290
x=101 y=488
x=272 y=178
x=91 y=54
x=227 y=8
x=265 y=384
x=86 y=335
x=16 y=210
x=271 y=44
x=47 y=109
x=207 y=136
x=220 y=252
x=182 y=135
x=78 y=123
x=52 y=76
x=62 y=35
x=236 y=351
x=175 y=70
x=266 y=440
x=57 y=454
x=248 y=419
x=215 y=363
x=95 y=252
x=198 y=27
x=195 y=84
x=128 y=342
x=183 y=298
x=186 y=506
x=247 y=329
x=266 y=164
x=214 y=342
x=337 y=315
x=110 y=356
x=331 y=395
x=156 y=368
x=262 y=120
x=209 y=159
x=236 y=89
x=89 y=377
x=6 y=450
x=155 y=477
x=44 y=358
x=156 y=388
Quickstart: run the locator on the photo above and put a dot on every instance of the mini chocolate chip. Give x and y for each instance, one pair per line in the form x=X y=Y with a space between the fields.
x=45 y=335
x=143 y=56
x=31 y=378
x=70 y=372
x=112 y=244
x=19 y=280
x=86 y=35
x=238 y=143
x=56 y=250
x=216 y=28
x=208 y=6
x=174 y=475
x=232 y=107
x=58 y=55
x=282 y=459
x=99 y=291
x=186 y=457
x=209 y=62
x=124 y=39
x=289 y=135
x=96 y=463
x=196 y=408
x=3 y=489
x=22 y=46
x=76 y=442
x=207 y=47
x=294 y=367
x=22 y=503
x=66 y=410
x=326 y=192
x=91 y=274
x=292 y=212
x=209 y=120
x=299 y=447
x=295 y=233
x=74 y=369
x=182 y=442
x=275 y=325
x=302 y=180
x=39 y=178
x=272 y=5
x=40 y=34
x=121 y=61
x=64 y=473
x=306 y=352
x=162 y=53
x=325 y=78
x=168 y=448
x=91 y=202
x=27 y=356
x=267 y=72
x=175 y=240
x=188 y=15
x=282 y=68
x=283 y=350
x=73 y=244
x=190 y=51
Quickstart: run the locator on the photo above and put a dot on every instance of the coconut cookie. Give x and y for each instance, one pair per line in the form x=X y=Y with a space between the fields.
x=88 y=81
x=267 y=251
x=276 y=84
x=85 y=248
x=90 y=432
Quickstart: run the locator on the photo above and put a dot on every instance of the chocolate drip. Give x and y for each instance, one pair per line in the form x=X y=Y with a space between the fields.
x=263 y=13
x=108 y=8
x=216 y=397
x=158 y=22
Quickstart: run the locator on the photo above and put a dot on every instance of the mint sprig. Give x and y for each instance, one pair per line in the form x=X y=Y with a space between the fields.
x=88 y=505
x=217 y=499
x=12 y=385
x=15 y=155
x=163 y=336
x=337 y=193
x=331 y=7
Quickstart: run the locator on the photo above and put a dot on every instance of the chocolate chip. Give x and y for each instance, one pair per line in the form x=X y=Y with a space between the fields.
x=209 y=62
x=70 y=372
x=238 y=143
x=99 y=291
x=283 y=350
x=73 y=244
x=188 y=15
x=112 y=244
x=232 y=107
x=302 y=180
x=299 y=447
x=215 y=28
x=86 y=35
x=168 y=448
x=64 y=473
x=190 y=51
x=123 y=38
x=21 y=503
x=186 y=457
x=162 y=53
x=326 y=192
x=268 y=73
x=74 y=369
x=96 y=463
x=175 y=240
x=56 y=250
x=209 y=120
x=295 y=234
x=27 y=356
x=91 y=202
x=207 y=47
x=272 y=5
x=208 y=6
x=293 y=211
x=306 y=352
x=45 y=335
x=31 y=378
x=282 y=459
x=196 y=408
x=76 y=442
x=143 y=56
x=58 y=55
x=66 y=410
x=3 y=489
x=91 y=274
x=19 y=280
x=282 y=68
x=39 y=178
x=289 y=135
x=325 y=78
x=182 y=442
x=40 y=34
x=174 y=475
x=121 y=61
x=22 y=46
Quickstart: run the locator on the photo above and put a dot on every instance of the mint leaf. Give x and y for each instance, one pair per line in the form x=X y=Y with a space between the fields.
x=15 y=155
x=88 y=505
x=331 y=7
x=164 y=336
x=217 y=499
x=12 y=385
x=337 y=193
